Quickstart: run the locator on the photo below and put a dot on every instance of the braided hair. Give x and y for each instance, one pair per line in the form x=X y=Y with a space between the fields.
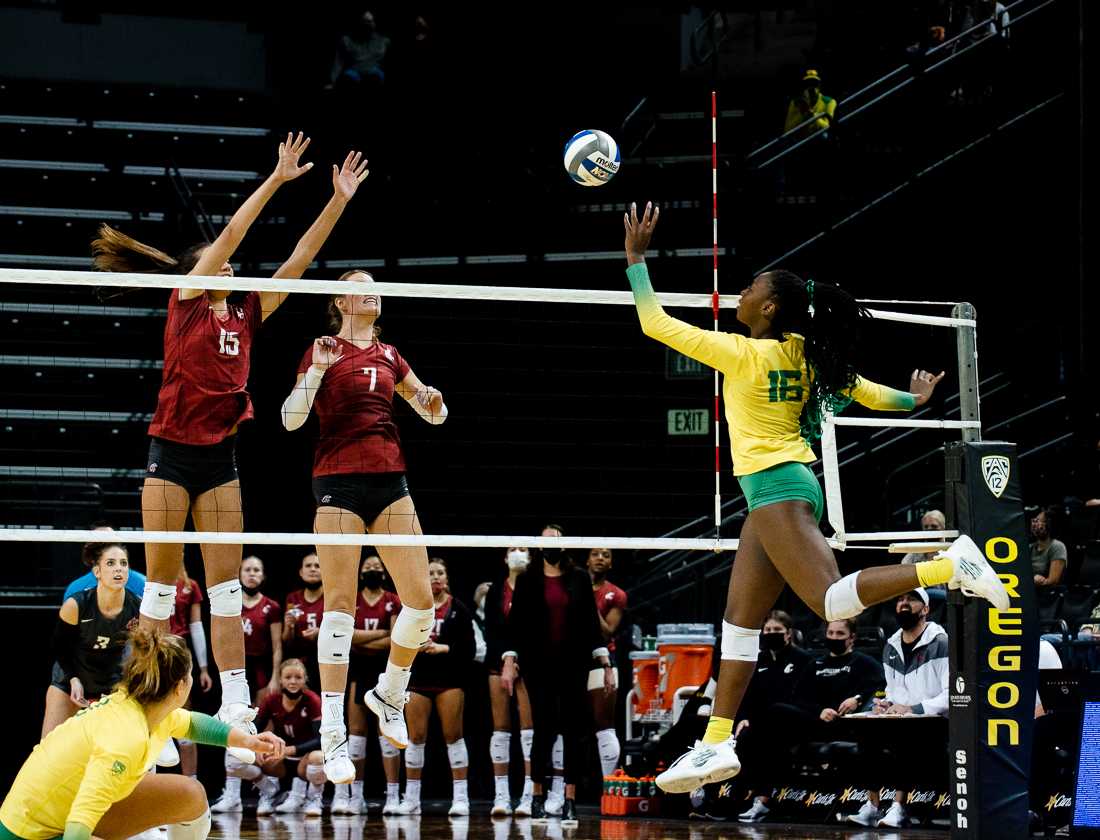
x=830 y=320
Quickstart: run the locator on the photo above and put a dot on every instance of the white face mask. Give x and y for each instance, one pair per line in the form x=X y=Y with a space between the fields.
x=518 y=559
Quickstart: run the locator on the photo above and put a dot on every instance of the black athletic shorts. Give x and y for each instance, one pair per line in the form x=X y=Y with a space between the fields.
x=195 y=468
x=92 y=692
x=364 y=494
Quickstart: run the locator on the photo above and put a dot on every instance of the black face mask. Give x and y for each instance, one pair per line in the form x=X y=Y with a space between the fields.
x=371 y=579
x=908 y=620
x=313 y=587
x=292 y=695
x=837 y=647
x=553 y=556
x=773 y=641
x=250 y=590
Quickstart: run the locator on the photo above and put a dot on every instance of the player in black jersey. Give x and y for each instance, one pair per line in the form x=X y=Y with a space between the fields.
x=90 y=637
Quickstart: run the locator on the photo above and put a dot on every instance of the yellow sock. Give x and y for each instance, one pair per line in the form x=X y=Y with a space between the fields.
x=718 y=730
x=935 y=572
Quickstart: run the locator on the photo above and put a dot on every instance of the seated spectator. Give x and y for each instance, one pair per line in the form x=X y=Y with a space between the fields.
x=916 y=665
x=134 y=583
x=1048 y=555
x=835 y=684
x=360 y=54
x=294 y=714
x=810 y=102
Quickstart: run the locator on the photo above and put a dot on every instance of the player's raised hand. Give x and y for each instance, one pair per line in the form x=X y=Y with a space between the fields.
x=326 y=352
x=347 y=178
x=290 y=151
x=922 y=384
x=639 y=231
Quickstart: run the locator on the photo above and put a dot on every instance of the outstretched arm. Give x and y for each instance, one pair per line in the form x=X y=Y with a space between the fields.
x=345 y=181
x=215 y=256
x=722 y=351
x=880 y=398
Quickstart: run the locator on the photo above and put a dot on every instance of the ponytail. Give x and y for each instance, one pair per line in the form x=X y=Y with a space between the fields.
x=113 y=250
x=156 y=664
x=830 y=321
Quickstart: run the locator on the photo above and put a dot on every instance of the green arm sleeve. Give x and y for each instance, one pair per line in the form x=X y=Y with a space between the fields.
x=206 y=730
x=880 y=398
x=77 y=831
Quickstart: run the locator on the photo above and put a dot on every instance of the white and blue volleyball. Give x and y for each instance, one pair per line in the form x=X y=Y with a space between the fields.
x=591 y=158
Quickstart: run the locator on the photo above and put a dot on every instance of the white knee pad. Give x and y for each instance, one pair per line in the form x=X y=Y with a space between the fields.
x=457 y=754
x=226 y=599
x=607 y=743
x=414 y=755
x=357 y=747
x=315 y=774
x=526 y=742
x=334 y=638
x=158 y=601
x=740 y=643
x=194 y=830
x=500 y=747
x=413 y=627
x=388 y=749
x=842 y=600
x=596 y=679
x=249 y=772
x=557 y=754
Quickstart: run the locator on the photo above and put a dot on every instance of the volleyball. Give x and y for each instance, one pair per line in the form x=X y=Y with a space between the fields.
x=591 y=157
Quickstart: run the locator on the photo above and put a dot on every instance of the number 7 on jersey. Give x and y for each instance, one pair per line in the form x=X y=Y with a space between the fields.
x=373 y=374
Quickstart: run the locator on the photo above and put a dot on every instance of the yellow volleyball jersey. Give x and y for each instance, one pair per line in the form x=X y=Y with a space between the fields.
x=84 y=766
x=765 y=383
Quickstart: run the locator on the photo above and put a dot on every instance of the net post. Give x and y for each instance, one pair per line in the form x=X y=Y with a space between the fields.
x=966 y=339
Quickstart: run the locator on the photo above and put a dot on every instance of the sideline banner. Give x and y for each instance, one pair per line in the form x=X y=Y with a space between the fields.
x=994 y=655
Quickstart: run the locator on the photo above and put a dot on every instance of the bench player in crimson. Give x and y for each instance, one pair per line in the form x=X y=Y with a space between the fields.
x=350 y=379
x=191 y=466
x=611 y=606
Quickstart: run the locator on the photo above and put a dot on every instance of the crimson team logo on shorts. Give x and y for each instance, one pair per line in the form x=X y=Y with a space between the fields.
x=153 y=467
x=996 y=469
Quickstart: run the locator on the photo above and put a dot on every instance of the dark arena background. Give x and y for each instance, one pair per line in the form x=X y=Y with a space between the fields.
x=952 y=170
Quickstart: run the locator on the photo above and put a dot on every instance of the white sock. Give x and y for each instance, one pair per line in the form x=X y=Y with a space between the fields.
x=332 y=710
x=315 y=791
x=393 y=790
x=460 y=794
x=393 y=682
x=412 y=789
x=235 y=687
x=357 y=790
x=528 y=786
x=232 y=786
x=557 y=787
x=298 y=787
x=343 y=789
x=501 y=783
x=269 y=786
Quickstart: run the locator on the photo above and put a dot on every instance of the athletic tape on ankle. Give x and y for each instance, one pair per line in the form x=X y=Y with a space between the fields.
x=414 y=756
x=457 y=755
x=499 y=747
x=357 y=747
x=226 y=599
x=413 y=627
x=740 y=643
x=842 y=600
x=158 y=601
x=334 y=638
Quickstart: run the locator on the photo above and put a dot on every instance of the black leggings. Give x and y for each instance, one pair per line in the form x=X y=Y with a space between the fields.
x=559 y=706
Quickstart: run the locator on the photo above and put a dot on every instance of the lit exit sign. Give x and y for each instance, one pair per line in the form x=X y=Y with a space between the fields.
x=688 y=421
x=679 y=366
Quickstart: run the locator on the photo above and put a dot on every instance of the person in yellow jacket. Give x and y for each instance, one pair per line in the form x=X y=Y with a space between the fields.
x=796 y=366
x=809 y=102
x=89 y=776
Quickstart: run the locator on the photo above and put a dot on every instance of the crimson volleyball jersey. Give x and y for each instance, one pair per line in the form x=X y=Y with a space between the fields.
x=354 y=406
x=295 y=725
x=506 y=599
x=378 y=617
x=256 y=622
x=609 y=596
x=203 y=392
x=179 y=622
x=309 y=615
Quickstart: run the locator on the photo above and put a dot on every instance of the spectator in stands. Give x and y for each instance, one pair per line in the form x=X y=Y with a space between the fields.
x=610 y=607
x=810 y=102
x=840 y=682
x=91 y=636
x=498 y=604
x=437 y=681
x=262 y=621
x=933 y=520
x=302 y=620
x=916 y=666
x=376 y=610
x=553 y=635
x=1048 y=555
x=134 y=583
x=360 y=55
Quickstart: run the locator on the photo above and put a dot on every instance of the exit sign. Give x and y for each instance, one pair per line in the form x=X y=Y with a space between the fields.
x=688 y=421
x=679 y=366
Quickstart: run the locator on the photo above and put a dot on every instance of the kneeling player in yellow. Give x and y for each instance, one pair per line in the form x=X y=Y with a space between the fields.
x=90 y=775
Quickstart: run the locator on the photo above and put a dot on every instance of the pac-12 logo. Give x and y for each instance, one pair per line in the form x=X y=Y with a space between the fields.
x=995 y=470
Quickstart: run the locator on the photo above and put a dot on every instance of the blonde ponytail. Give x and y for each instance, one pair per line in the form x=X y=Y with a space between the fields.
x=156 y=664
